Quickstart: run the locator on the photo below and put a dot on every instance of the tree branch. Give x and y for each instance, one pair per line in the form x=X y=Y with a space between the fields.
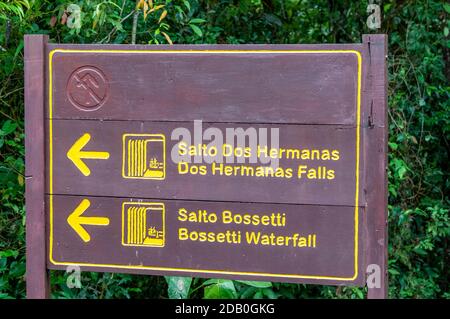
x=135 y=21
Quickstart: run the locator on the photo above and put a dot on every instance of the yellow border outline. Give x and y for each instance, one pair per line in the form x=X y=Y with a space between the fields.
x=206 y=271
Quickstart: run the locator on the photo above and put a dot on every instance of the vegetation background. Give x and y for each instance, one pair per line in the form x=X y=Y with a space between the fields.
x=419 y=115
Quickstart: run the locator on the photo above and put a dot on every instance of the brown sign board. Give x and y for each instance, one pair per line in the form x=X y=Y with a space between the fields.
x=282 y=177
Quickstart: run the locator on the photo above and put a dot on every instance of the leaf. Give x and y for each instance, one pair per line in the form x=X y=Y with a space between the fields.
x=3 y=262
x=140 y=4
x=20 y=180
x=401 y=172
x=420 y=251
x=167 y=37
x=447 y=7
x=156 y=8
x=359 y=293
x=17 y=269
x=18 y=49
x=197 y=20
x=94 y=23
x=64 y=18
x=196 y=29
x=247 y=292
x=386 y=7
x=187 y=4
x=9 y=253
x=269 y=293
x=257 y=284
x=422 y=102
x=393 y=146
x=393 y=272
x=6 y=176
x=163 y=15
x=5 y=296
x=53 y=21
x=8 y=127
x=178 y=287
x=272 y=19
x=220 y=289
x=258 y=295
x=145 y=10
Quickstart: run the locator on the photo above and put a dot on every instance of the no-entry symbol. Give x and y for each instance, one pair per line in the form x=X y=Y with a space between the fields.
x=87 y=88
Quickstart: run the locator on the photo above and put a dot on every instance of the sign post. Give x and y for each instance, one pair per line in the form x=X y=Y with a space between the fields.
x=376 y=181
x=252 y=162
x=38 y=285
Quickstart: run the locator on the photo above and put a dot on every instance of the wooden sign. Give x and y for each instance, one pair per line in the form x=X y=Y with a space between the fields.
x=252 y=162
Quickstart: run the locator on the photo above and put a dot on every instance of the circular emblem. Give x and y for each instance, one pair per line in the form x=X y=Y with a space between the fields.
x=87 y=88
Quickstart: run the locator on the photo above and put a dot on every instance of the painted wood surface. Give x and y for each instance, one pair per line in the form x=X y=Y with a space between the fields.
x=38 y=285
x=115 y=193
x=253 y=241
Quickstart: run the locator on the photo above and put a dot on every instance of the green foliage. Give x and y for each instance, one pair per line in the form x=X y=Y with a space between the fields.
x=256 y=290
x=13 y=7
x=178 y=287
x=419 y=116
x=419 y=125
x=219 y=289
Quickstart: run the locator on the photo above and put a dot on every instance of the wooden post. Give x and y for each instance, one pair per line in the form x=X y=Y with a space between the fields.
x=36 y=274
x=376 y=135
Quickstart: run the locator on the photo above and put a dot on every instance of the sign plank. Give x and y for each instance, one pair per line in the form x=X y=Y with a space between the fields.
x=317 y=164
x=267 y=85
x=275 y=242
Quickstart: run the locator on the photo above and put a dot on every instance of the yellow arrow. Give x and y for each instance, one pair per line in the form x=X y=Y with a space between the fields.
x=75 y=220
x=75 y=154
